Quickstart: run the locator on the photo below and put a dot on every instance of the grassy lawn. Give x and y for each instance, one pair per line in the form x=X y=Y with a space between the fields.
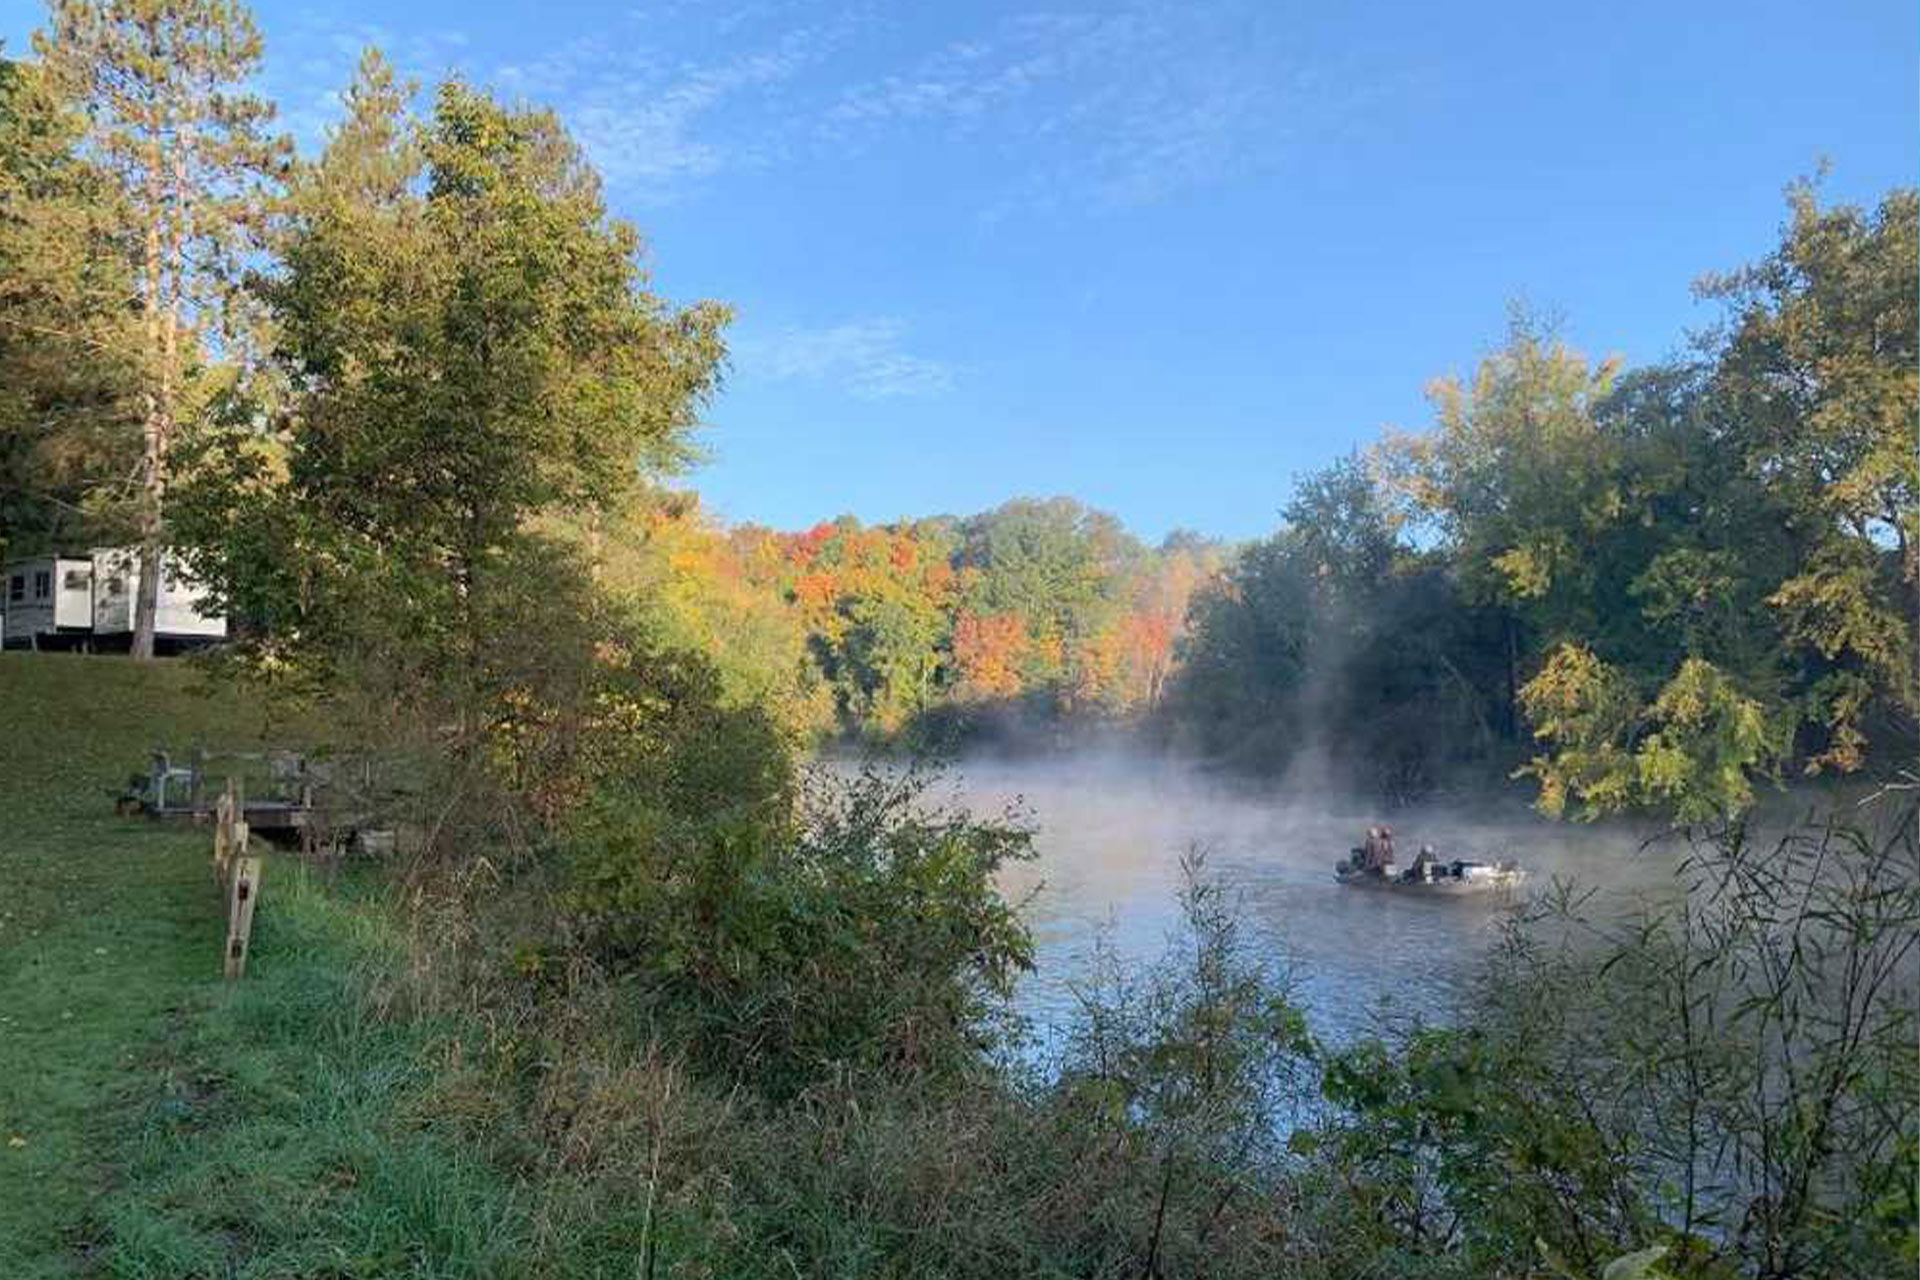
x=156 y=1120
x=110 y=929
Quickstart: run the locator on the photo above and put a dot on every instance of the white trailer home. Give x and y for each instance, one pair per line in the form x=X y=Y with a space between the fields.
x=49 y=600
x=90 y=602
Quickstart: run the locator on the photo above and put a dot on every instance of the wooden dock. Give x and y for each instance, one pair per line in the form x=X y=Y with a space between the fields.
x=178 y=793
x=328 y=804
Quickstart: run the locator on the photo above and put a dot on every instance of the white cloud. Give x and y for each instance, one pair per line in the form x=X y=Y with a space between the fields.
x=645 y=130
x=864 y=356
x=1109 y=107
x=652 y=120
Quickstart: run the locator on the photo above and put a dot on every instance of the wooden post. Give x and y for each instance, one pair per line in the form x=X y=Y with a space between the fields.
x=226 y=814
x=220 y=838
x=241 y=897
x=238 y=835
x=237 y=873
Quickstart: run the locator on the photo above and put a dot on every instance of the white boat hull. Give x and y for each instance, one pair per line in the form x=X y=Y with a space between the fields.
x=1457 y=880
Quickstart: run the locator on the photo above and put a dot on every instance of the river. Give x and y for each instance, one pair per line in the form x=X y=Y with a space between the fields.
x=1111 y=832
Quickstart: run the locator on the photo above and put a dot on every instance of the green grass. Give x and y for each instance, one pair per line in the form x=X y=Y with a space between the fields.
x=285 y=1132
x=110 y=929
x=156 y=1119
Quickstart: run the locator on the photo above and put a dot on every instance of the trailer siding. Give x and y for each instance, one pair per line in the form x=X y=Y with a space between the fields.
x=46 y=596
x=181 y=609
x=75 y=600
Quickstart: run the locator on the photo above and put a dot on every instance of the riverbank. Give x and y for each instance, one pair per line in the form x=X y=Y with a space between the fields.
x=157 y=1119
x=377 y=1099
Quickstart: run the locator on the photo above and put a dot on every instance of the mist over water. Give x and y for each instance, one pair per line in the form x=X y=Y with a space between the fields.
x=1111 y=831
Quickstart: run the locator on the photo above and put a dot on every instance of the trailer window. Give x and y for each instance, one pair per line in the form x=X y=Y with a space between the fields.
x=16 y=588
x=42 y=584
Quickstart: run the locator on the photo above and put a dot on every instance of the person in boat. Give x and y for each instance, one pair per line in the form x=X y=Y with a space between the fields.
x=1426 y=864
x=1363 y=856
x=1376 y=856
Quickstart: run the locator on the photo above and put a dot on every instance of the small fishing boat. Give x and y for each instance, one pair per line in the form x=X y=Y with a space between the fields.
x=1462 y=877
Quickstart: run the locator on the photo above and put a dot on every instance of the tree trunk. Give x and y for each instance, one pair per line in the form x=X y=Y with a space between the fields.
x=159 y=406
x=146 y=600
x=156 y=435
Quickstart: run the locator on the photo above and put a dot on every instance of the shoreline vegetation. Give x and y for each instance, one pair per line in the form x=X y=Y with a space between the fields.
x=403 y=1085
x=636 y=993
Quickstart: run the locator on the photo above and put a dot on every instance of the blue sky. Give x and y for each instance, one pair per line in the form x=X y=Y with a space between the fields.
x=1161 y=256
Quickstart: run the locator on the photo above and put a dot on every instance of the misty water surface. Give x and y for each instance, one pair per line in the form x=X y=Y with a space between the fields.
x=1111 y=832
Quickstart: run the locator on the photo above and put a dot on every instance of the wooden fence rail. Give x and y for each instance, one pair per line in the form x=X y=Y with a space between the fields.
x=238 y=875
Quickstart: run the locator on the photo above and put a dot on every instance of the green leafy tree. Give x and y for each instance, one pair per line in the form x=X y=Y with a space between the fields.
x=471 y=345
x=1518 y=478
x=1708 y=742
x=890 y=649
x=1246 y=659
x=1694 y=750
x=1333 y=644
x=1821 y=373
x=475 y=372
x=1055 y=563
x=68 y=411
x=1338 y=523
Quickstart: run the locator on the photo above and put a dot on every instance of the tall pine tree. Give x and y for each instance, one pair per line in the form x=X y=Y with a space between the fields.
x=189 y=162
x=68 y=413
